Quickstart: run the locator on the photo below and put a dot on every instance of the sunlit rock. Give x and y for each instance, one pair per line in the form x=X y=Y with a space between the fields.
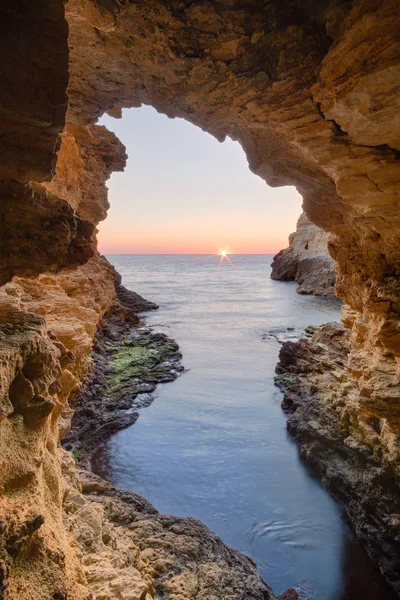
x=306 y=260
x=311 y=92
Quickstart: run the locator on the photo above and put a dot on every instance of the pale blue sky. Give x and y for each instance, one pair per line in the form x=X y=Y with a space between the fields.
x=183 y=191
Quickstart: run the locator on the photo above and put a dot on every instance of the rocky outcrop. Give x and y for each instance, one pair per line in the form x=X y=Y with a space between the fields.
x=130 y=551
x=129 y=360
x=355 y=454
x=46 y=334
x=306 y=260
x=310 y=90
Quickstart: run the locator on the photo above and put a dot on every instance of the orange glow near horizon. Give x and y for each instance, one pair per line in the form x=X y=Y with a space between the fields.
x=183 y=192
x=183 y=234
x=141 y=242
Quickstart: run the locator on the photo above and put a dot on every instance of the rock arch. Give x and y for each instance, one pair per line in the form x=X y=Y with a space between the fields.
x=312 y=96
x=309 y=89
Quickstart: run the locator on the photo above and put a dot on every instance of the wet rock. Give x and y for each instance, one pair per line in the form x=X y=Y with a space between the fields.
x=183 y=554
x=129 y=360
x=289 y=594
x=343 y=441
x=130 y=299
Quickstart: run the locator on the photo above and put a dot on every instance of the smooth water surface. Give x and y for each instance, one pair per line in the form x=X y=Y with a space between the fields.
x=213 y=444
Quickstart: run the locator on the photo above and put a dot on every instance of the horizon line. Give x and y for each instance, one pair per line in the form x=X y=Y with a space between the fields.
x=186 y=253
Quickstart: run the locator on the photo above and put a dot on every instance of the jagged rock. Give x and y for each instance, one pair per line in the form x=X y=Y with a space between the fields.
x=347 y=445
x=128 y=361
x=130 y=299
x=47 y=230
x=306 y=260
x=309 y=89
x=129 y=548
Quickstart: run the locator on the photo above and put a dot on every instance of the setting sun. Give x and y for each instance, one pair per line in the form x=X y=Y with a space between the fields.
x=209 y=204
x=224 y=256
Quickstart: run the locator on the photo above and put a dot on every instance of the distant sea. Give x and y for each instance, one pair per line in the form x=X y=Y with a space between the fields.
x=213 y=444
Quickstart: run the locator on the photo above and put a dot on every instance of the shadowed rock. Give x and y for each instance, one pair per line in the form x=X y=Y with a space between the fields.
x=311 y=92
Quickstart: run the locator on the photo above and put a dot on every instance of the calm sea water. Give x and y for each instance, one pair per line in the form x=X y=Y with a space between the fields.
x=213 y=444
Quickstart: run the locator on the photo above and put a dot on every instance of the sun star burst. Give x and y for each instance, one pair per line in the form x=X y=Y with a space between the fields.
x=224 y=256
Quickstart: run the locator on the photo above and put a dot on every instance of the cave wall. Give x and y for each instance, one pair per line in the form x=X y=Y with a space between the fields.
x=309 y=89
x=33 y=105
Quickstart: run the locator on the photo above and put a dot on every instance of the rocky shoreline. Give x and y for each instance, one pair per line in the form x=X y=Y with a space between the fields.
x=129 y=360
x=175 y=558
x=306 y=260
x=129 y=551
x=346 y=453
x=311 y=94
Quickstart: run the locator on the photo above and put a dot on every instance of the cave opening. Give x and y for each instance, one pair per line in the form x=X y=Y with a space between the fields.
x=312 y=97
x=169 y=455
x=182 y=191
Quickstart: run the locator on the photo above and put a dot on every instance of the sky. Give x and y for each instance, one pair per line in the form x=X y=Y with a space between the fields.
x=183 y=192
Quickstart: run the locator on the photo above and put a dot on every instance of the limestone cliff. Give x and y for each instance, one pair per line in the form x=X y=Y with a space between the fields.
x=306 y=260
x=310 y=90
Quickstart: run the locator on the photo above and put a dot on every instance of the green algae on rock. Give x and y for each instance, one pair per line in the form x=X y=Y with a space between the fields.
x=312 y=329
x=284 y=381
x=129 y=360
x=146 y=358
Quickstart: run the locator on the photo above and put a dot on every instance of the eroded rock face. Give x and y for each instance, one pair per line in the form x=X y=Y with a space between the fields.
x=310 y=90
x=130 y=551
x=86 y=159
x=356 y=456
x=33 y=98
x=46 y=333
x=37 y=224
x=306 y=260
x=129 y=360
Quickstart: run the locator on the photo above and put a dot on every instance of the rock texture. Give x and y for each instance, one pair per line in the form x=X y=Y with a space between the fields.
x=46 y=334
x=129 y=360
x=306 y=260
x=309 y=89
x=33 y=98
x=56 y=542
x=355 y=454
x=130 y=551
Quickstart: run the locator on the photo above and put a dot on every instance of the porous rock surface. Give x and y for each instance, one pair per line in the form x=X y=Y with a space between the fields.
x=306 y=260
x=309 y=89
x=129 y=360
x=355 y=456
x=131 y=551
